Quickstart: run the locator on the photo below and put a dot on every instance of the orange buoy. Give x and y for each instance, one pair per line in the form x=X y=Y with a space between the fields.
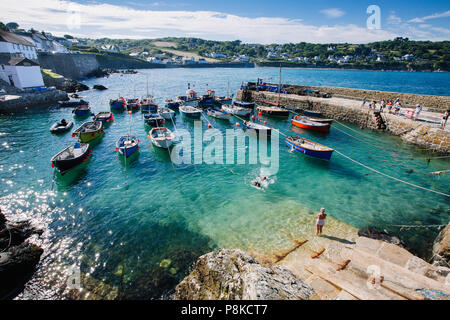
x=265 y=122
x=209 y=126
x=237 y=124
x=260 y=114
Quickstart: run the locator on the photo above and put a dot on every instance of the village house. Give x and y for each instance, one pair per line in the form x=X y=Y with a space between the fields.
x=110 y=48
x=216 y=55
x=20 y=72
x=154 y=60
x=16 y=46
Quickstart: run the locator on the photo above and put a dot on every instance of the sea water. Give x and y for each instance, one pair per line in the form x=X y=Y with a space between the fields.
x=136 y=226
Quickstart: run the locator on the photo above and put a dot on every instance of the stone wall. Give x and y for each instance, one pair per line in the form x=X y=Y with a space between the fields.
x=73 y=66
x=438 y=103
x=410 y=131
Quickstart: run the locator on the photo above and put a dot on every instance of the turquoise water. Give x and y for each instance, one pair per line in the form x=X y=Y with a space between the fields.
x=118 y=222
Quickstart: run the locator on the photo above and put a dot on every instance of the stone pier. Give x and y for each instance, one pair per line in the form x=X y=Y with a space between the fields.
x=425 y=132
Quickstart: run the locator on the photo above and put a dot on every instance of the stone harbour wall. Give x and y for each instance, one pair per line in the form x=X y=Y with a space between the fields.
x=32 y=100
x=418 y=133
x=438 y=103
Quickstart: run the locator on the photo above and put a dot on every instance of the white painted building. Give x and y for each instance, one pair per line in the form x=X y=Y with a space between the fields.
x=110 y=48
x=21 y=73
x=154 y=60
x=16 y=46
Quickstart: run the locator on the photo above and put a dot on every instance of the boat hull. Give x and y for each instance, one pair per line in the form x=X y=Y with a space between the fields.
x=155 y=122
x=323 y=155
x=318 y=120
x=128 y=151
x=117 y=105
x=82 y=113
x=173 y=105
x=275 y=113
x=149 y=108
x=65 y=165
x=191 y=115
x=258 y=131
x=56 y=128
x=318 y=128
x=312 y=113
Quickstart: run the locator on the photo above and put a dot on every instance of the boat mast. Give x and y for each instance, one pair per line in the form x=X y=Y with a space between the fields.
x=279 y=88
x=228 y=88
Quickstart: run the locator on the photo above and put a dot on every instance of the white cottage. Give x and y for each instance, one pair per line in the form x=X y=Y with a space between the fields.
x=21 y=72
x=16 y=46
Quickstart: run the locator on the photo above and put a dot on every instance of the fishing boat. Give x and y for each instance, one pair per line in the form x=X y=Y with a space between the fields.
x=207 y=100
x=310 y=125
x=310 y=148
x=133 y=104
x=148 y=106
x=190 y=112
x=70 y=157
x=319 y=120
x=162 y=137
x=154 y=120
x=273 y=111
x=166 y=113
x=81 y=111
x=127 y=145
x=118 y=104
x=237 y=111
x=60 y=127
x=105 y=117
x=88 y=131
x=223 y=100
x=243 y=104
x=172 y=104
x=190 y=99
x=219 y=114
x=257 y=127
x=311 y=113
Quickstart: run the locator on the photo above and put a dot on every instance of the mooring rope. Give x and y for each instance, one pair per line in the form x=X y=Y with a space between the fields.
x=391 y=177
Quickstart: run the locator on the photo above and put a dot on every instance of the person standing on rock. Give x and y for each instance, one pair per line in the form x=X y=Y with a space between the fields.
x=320 y=222
x=418 y=111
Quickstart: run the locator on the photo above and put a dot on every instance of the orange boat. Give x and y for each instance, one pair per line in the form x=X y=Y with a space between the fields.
x=310 y=125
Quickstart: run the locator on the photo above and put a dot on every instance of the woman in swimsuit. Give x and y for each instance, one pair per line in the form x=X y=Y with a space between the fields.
x=320 y=222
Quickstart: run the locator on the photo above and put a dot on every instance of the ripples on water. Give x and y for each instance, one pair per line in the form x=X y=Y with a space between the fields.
x=135 y=230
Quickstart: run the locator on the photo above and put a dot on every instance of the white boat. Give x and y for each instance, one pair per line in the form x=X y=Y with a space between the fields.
x=166 y=113
x=219 y=114
x=237 y=111
x=191 y=112
x=162 y=137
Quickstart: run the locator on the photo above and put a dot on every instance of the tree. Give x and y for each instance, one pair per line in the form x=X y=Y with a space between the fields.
x=12 y=25
x=3 y=27
x=67 y=36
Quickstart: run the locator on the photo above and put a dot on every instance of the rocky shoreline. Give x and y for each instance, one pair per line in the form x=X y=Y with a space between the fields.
x=18 y=257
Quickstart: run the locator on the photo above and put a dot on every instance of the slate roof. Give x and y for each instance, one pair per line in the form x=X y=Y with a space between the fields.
x=13 y=38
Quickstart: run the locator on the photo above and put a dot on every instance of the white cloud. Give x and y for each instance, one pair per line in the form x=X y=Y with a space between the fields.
x=393 y=19
x=333 y=12
x=433 y=16
x=105 y=20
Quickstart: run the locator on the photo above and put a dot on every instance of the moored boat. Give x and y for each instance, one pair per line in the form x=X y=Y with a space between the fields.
x=257 y=127
x=70 y=157
x=162 y=137
x=154 y=120
x=207 y=100
x=127 y=145
x=166 y=113
x=60 y=127
x=72 y=103
x=89 y=131
x=118 y=104
x=190 y=112
x=223 y=100
x=310 y=148
x=81 y=111
x=218 y=114
x=310 y=125
x=190 y=99
x=311 y=113
x=273 y=111
x=172 y=104
x=237 y=111
x=243 y=104
x=133 y=104
x=319 y=120
x=148 y=105
x=105 y=117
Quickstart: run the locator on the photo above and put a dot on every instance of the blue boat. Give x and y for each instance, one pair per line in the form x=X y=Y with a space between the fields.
x=173 y=105
x=310 y=148
x=154 y=120
x=148 y=106
x=82 y=111
x=118 y=104
x=127 y=145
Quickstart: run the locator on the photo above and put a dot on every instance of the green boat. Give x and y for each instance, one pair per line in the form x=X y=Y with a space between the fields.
x=89 y=131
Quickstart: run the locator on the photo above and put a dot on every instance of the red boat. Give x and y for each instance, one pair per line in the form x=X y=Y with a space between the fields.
x=319 y=120
x=310 y=125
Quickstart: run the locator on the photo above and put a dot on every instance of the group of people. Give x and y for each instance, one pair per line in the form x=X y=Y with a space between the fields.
x=393 y=107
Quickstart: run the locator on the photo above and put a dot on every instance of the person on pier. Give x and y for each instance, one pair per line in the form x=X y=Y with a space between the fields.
x=320 y=221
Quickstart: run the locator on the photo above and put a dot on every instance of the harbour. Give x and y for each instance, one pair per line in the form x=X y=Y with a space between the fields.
x=124 y=222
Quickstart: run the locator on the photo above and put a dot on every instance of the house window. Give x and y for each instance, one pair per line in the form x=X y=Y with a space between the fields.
x=3 y=66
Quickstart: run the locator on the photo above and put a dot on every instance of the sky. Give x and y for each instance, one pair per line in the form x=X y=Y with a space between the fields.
x=262 y=21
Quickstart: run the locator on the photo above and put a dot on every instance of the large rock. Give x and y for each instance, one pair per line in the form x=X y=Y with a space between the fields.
x=441 y=248
x=18 y=257
x=235 y=275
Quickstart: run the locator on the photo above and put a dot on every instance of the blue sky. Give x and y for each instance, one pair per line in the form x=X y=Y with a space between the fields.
x=260 y=21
